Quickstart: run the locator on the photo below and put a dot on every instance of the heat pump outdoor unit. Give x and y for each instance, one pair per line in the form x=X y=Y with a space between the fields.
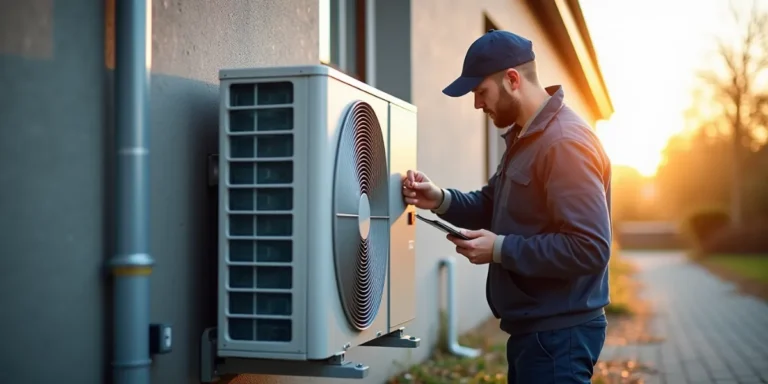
x=316 y=246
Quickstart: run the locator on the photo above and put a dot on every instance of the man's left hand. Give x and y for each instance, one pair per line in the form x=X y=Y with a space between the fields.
x=479 y=249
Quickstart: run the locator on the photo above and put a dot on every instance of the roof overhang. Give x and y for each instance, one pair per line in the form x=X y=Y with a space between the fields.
x=564 y=24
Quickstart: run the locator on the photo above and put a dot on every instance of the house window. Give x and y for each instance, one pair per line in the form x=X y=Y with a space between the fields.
x=349 y=32
x=370 y=41
x=494 y=142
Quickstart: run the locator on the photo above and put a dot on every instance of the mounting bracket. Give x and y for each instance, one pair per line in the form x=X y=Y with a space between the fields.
x=212 y=366
x=396 y=339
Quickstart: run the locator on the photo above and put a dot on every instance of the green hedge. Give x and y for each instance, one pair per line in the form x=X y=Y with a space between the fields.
x=751 y=238
x=712 y=232
x=702 y=225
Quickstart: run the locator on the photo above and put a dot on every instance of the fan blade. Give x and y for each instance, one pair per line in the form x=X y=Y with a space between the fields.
x=377 y=176
x=378 y=252
x=363 y=286
x=347 y=190
x=346 y=244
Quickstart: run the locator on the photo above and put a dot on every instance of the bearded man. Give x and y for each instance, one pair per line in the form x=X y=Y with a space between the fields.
x=542 y=223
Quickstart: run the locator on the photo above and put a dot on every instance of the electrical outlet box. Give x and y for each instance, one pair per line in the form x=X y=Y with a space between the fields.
x=160 y=338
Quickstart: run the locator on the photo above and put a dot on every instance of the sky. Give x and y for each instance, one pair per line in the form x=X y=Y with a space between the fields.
x=648 y=52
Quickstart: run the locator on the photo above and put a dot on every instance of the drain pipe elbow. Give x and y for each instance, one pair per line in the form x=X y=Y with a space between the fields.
x=453 y=332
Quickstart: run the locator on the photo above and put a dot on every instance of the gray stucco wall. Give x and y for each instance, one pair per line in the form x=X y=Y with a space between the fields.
x=52 y=226
x=55 y=167
x=55 y=173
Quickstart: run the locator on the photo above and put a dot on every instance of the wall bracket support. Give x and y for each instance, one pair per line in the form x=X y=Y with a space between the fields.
x=396 y=339
x=213 y=367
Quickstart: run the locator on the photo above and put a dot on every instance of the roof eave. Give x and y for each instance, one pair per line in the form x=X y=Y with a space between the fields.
x=564 y=22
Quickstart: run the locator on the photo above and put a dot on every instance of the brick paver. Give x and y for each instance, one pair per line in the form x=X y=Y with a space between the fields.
x=711 y=333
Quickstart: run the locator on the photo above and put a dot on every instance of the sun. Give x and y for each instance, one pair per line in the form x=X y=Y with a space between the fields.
x=649 y=71
x=632 y=146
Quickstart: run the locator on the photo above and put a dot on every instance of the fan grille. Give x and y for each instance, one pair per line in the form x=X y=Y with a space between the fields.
x=361 y=224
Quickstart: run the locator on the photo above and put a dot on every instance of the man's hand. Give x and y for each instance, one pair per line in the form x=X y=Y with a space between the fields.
x=479 y=249
x=420 y=191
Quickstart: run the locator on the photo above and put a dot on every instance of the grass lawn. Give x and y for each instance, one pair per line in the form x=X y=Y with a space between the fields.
x=622 y=287
x=748 y=272
x=749 y=266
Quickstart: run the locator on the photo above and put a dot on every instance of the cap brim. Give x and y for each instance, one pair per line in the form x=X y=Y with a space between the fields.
x=462 y=86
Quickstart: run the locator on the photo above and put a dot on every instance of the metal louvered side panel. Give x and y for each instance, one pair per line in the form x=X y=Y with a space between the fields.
x=262 y=294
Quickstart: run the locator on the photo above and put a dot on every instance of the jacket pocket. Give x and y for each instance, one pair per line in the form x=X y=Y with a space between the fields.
x=519 y=199
x=518 y=176
x=506 y=295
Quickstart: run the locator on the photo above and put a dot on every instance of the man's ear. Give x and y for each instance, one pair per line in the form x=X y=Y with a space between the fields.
x=513 y=76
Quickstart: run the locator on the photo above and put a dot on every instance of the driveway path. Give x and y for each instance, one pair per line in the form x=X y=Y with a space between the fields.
x=710 y=332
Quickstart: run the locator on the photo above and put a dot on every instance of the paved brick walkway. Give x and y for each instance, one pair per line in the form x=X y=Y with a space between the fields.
x=711 y=333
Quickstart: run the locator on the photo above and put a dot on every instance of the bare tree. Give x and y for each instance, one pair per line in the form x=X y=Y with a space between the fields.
x=739 y=91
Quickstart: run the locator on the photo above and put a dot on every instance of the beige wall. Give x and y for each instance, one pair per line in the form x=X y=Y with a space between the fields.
x=452 y=151
x=452 y=134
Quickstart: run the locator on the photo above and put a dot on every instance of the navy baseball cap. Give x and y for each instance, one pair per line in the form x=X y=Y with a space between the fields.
x=491 y=53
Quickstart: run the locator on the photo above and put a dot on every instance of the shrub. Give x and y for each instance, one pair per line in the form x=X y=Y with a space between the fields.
x=748 y=238
x=621 y=287
x=702 y=225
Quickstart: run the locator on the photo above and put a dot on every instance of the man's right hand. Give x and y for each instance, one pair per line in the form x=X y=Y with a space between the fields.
x=421 y=192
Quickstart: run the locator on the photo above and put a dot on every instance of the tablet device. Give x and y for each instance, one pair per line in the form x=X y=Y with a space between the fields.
x=443 y=227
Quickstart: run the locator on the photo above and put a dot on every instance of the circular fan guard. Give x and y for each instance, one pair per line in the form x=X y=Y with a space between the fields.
x=361 y=223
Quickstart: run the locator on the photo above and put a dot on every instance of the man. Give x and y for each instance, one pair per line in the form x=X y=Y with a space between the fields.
x=543 y=221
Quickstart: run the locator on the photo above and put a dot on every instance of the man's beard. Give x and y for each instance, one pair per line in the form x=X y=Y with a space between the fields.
x=507 y=110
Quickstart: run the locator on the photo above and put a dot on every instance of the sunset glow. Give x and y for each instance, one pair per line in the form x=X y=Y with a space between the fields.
x=649 y=60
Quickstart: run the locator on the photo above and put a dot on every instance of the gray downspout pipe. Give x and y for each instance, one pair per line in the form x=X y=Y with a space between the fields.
x=453 y=331
x=131 y=265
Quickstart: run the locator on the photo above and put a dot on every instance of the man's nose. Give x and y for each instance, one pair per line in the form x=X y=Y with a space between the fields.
x=479 y=103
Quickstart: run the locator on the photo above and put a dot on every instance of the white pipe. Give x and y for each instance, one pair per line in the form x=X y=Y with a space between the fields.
x=453 y=332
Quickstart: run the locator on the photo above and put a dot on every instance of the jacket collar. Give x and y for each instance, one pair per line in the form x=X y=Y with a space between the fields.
x=547 y=113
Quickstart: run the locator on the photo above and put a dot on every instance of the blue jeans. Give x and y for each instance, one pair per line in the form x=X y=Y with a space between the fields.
x=559 y=356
